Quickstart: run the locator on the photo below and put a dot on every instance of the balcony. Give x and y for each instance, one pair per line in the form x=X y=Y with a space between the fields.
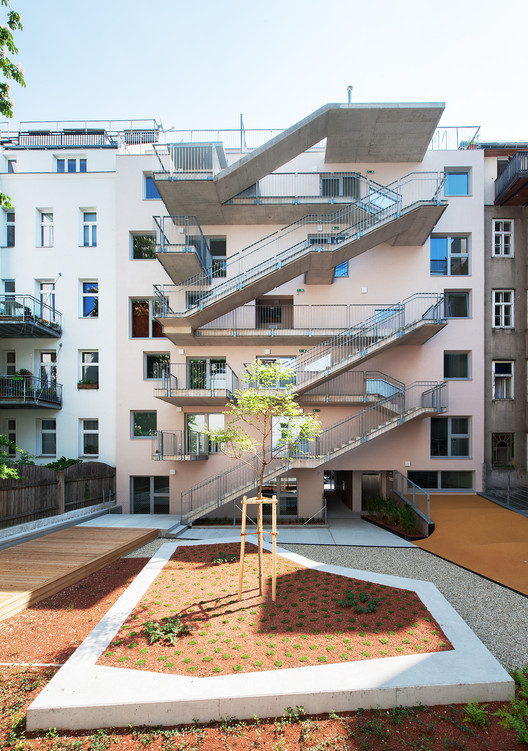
x=197 y=382
x=511 y=187
x=23 y=316
x=354 y=387
x=180 y=446
x=181 y=247
x=29 y=392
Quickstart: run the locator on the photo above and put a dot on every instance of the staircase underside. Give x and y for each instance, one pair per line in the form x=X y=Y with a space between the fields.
x=196 y=397
x=180 y=265
x=412 y=228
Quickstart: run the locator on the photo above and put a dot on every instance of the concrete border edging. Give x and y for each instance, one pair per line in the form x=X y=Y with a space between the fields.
x=84 y=695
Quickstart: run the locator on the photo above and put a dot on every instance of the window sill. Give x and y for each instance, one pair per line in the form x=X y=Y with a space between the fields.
x=87 y=386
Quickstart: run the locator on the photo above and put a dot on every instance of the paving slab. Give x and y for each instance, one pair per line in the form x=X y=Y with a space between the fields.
x=135 y=521
x=84 y=695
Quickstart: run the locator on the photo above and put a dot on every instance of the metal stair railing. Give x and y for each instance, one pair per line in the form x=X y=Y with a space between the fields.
x=419 y=398
x=183 y=234
x=312 y=233
x=388 y=322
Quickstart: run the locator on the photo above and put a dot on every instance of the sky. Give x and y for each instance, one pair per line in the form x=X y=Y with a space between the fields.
x=203 y=63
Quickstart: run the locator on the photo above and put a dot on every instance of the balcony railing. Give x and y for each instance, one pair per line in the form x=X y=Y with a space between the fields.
x=29 y=390
x=195 y=375
x=516 y=168
x=293 y=242
x=182 y=234
x=188 y=161
x=413 y=495
x=453 y=138
x=180 y=445
x=26 y=309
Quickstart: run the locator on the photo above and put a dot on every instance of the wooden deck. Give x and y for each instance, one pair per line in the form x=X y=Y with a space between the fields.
x=34 y=570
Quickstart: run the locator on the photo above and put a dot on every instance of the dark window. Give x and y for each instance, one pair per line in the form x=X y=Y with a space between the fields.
x=456 y=365
x=151 y=192
x=143 y=326
x=10 y=229
x=424 y=479
x=156 y=364
x=144 y=424
x=143 y=247
x=457 y=304
x=502 y=449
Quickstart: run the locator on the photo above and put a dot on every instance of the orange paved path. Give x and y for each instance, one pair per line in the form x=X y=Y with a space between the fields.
x=481 y=536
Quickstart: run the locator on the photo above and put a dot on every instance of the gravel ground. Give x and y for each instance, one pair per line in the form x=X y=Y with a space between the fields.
x=497 y=615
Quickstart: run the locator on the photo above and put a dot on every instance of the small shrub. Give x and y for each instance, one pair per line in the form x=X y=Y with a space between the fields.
x=168 y=629
x=476 y=714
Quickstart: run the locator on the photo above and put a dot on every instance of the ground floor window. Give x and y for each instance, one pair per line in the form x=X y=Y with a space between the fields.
x=502 y=449
x=286 y=494
x=446 y=480
x=150 y=495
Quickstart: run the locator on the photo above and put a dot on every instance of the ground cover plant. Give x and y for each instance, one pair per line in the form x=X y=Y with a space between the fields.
x=51 y=630
x=318 y=618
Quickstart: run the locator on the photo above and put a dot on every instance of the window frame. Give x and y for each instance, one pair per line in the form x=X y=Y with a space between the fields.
x=496 y=437
x=46 y=237
x=136 y=436
x=10 y=224
x=85 y=295
x=45 y=432
x=63 y=164
x=84 y=366
x=149 y=235
x=85 y=433
x=450 y=255
x=341 y=270
x=457 y=171
x=450 y=436
x=153 y=325
x=501 y=306
x=502 y=234
x=88 y=228
x=166 y=362
x=468 y=364
x=467 y=293
x=150 y=187
x=506 y=378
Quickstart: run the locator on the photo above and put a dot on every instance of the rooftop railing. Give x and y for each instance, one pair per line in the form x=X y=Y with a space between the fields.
x=516 y=167
x=321 y=233
x=28 y=309
x=453 y=138
x=82 y=132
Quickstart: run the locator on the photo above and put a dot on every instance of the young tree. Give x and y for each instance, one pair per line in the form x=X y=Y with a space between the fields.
x=8 y=69
x=8 y=464
x=247 y=436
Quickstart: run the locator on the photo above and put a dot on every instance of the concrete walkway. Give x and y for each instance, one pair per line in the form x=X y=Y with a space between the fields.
x=344 y=528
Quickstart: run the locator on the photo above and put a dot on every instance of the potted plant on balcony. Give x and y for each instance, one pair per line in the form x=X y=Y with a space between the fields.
x=87 y=384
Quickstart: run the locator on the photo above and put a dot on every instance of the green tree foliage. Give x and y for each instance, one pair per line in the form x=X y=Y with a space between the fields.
x=247 y=436
x=8 y=462
x=9 y=70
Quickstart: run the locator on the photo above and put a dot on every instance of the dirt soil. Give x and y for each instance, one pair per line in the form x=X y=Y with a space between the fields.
x=307 y=625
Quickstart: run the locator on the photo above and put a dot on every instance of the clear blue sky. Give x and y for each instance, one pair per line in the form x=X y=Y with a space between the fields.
x=200 y=63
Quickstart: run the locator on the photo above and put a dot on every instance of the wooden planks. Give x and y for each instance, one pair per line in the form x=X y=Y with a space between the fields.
x=34 y=570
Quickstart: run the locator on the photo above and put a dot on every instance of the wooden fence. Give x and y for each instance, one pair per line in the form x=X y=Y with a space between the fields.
x=41 y=492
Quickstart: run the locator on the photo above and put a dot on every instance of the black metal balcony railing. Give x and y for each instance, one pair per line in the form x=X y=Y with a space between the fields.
x=180 y=445
x=29 y=390
x=26 y=309
x=517 y=168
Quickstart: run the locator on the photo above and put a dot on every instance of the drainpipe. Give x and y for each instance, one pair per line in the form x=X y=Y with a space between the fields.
x=349 y=91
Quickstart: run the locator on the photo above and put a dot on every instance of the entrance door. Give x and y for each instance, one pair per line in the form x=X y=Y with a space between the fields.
x=150 y=495
x=370 y=487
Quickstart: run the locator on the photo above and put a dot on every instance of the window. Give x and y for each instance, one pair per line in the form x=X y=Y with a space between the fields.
x=143 y=247
x=144 y=424
x=450 y=480
x=449 y=256
x=11 y=166
x=502 y=380
x=47 y=300
x=333 y=186
x=10 y=361
x=456 y=304
x=218 y=250
x=71 y=165
x=456 y=182
x=286 y=494
x=450 y=436
x=89 y=437
x=502 y=449
x=48 y=368
x=502 y=303
x=11 y=436
x=10 y=229
x=341 y=269
x=90 y=299
x=502 y=230
x=90 y=367
x=150 y=495
x=46 y=229
x=151 y=192
x=48 y=437
x=195 y=426
x=89 y=229
x=207 y=373
x=143 y=326
x=156 y=364
x=456 y=365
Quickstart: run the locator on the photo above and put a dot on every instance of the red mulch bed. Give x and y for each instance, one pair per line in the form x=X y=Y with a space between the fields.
x=306 y=625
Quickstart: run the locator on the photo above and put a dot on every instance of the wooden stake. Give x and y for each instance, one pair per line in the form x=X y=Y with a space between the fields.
x=260 y=549
x=274 y=548
x=242 y=547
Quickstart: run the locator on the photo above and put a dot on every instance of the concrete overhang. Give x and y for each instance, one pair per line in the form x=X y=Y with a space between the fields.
x=355 y=133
